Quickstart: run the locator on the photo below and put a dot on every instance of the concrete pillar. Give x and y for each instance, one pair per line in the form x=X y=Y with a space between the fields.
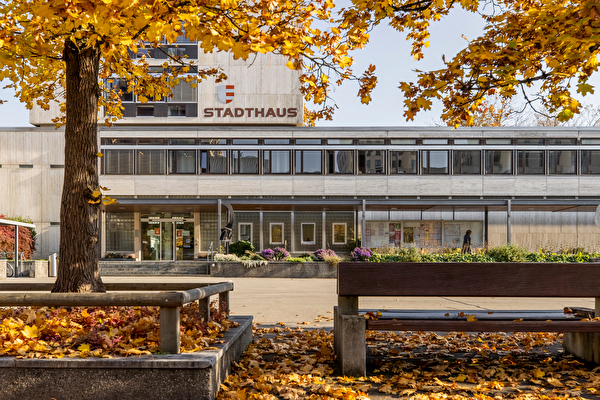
x=363 y=238
x=218 y=249
x=585 y=346
x=508 y=221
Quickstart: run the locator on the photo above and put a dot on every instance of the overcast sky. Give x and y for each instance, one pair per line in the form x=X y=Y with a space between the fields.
x=389 y=52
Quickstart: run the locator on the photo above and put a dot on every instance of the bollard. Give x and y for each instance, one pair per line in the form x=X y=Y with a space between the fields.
x=52 y=265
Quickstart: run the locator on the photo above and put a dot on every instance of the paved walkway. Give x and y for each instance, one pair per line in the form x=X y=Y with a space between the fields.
x=310 y=302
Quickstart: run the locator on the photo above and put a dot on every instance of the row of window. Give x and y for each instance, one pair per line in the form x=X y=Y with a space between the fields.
x=302 y=142
x=424 y=162
x=307 y=231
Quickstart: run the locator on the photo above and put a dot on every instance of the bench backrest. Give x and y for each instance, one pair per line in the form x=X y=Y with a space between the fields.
x=469 y=279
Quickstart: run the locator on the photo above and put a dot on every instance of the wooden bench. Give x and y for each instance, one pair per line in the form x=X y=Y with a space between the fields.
x=357 y=279
x=170 y=303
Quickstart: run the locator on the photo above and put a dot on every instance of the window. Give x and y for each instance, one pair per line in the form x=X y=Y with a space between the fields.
x=339 y=141
x=371 y=162
x=340 y=162
x=435 y=161
x=119 y=86
x=590 y=162
x=308 y=162
x=435 y=141
x=245 y=161
x=466 y=141
x=119 y=232
x=403 y=162
x=339 y=233
x=245 y=141
x=214 y=162
x=182 y=161
x=308 y=141
x=277 y=141
x=498 y=162
x=276 y=233
x=466 y=162
x=562 y=161
x=530 y=162
x=245 y=231
x=176 y=110
x=276 y=162
x=145 y=110
x=308 y=233
x=150 y=162
x=118 y=162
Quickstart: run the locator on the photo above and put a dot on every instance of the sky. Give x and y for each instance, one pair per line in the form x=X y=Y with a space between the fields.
x=388 y=51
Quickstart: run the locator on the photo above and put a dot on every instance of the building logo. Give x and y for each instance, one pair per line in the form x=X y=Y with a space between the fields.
x=225 y=93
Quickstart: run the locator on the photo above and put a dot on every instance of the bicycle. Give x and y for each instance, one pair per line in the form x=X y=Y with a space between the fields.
x=10 y=270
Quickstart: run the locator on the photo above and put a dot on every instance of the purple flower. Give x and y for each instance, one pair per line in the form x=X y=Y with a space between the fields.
x=361 y=254
x=322 y=253
x=268 y=254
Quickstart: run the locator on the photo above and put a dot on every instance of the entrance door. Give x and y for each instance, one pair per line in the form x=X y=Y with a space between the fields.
x=167 y=240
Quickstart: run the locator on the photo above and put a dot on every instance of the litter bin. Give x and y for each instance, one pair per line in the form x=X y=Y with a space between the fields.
x=52 y=265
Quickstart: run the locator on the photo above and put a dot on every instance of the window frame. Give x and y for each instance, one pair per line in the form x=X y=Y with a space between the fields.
x=240 y=230
x=171 y=171
x=269 y=162
x=426 y=170
x=273 y=224
x=236 y=158
x=314 y=226
x=301 y=161
x=333 y=225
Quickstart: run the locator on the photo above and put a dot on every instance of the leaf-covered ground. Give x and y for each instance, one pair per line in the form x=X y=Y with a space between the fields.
x=286 y=363
x=44 y=332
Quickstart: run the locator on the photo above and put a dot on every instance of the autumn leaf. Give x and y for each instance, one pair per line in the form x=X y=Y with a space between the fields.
x=30 y=332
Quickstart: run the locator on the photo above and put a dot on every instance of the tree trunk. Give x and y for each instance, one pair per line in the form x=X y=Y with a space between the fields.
x=78 y=269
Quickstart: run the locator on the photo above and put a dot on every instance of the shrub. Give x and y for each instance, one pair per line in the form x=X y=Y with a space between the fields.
x=509 y=253
x=332 y=260
x=296 y=259
x=361 y=254
x=276 y=254
x=268 y=254
x=226 y=257
x=239 y=248
x=322 y=253
x=26 y=237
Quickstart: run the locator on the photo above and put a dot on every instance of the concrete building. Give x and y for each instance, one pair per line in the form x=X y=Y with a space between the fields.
x=174 y=165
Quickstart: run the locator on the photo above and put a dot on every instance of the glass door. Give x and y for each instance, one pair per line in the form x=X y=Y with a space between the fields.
x=167 y=239
x=184 y=242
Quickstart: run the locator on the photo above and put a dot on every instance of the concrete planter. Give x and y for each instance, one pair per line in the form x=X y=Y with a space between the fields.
x=274 y=270
x=31 y=268
x=173 y=376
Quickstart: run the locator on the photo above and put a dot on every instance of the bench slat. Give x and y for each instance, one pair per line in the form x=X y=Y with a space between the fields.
x=480 y=315
x=469 y=279
x=483 y=326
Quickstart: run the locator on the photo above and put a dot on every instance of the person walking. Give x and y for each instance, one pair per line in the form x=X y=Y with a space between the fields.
x=466 y=247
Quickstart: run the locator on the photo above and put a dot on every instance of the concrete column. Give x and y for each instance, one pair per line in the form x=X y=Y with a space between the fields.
x=170 y=339
x=292 y=232
x=260 y=230
x=16 y=255
x=508 y=221
x=218 y=249
x=363 y=238
x=585 y=346
x=323 y=232
x=137 y=237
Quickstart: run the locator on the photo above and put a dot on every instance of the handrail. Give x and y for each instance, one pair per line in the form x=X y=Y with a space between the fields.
x=169 y=303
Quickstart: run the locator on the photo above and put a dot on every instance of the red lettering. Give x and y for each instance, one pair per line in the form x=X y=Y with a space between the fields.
x=282 y=114
x=259 y=112
x=270 y=113
x=292 y=112
x=228 y=113
x=249 y=111
x=208 y=112
x=239 y=112
x=218 y=110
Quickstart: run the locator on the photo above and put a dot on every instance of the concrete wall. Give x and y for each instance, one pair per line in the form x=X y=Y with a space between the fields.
x=260 y=83
x=31 y=178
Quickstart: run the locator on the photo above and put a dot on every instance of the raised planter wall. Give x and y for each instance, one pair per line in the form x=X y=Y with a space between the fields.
x=174 y=376
x=274 y=270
